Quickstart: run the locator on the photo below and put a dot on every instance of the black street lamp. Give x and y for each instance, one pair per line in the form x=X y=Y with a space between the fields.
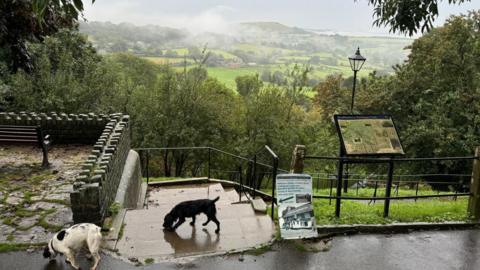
x=356 y=63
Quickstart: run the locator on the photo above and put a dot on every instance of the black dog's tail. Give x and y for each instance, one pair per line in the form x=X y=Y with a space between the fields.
x=215 y=200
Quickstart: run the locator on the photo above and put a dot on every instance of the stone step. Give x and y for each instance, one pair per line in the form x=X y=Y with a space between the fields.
x=259 y=205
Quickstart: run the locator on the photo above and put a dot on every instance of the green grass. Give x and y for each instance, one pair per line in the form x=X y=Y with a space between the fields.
x=121 y=232
x=8 y=221
x=368 y=192
x=180 y=51
x=48 y=226
x=223 y=53
x=10 y=238
x=168 y=60
x=114 y=209
x=8 y=247
x=361 y=212
x=259 y=250
x=228 y=75
x=24 y=213
x=259 y=49
x=149 y=260
x=354 y=212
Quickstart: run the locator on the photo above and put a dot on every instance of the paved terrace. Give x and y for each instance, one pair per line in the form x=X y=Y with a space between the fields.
x=241 y=227
x=35 y=202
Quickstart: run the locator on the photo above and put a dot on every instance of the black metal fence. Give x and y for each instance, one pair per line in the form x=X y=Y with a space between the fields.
x=249 y=174
x=452 y=185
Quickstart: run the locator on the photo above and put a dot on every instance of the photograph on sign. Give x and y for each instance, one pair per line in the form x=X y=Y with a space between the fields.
x=368 y=135
x=296 y=218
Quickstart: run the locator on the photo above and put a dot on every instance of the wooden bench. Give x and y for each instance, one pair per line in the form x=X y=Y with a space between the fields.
x=26 y=135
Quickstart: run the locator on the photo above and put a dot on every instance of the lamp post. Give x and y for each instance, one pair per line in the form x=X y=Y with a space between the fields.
x=356 y=63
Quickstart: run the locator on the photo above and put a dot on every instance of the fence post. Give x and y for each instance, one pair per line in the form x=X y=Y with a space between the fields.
x=474 y=200
x=296 y=165
x=388 y=189
x=338 y=201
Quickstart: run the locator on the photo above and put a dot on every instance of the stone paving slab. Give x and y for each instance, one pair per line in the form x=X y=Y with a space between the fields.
x=241 y=227
x=34 y=201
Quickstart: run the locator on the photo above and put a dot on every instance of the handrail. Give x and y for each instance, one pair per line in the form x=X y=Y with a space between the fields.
x=367 y=159
x=274 y=174
x=271 y=152
x=202 y=148
x=463 y=194
x=253 y=160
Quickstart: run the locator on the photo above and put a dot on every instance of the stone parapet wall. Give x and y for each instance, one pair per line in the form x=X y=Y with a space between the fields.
x=96 y=186
x=63 y=128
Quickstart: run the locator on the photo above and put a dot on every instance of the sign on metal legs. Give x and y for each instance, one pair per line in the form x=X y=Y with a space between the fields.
x=295 y=210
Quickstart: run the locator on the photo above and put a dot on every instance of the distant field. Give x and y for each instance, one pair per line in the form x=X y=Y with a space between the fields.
x=180 y=51
x=263 y=49
x=223 y=53
x=228 y=75
x=283 y=59
x=168 y=60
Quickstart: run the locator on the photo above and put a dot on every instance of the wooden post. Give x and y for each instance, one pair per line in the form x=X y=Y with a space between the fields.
x=297 y=159
x=474 y=200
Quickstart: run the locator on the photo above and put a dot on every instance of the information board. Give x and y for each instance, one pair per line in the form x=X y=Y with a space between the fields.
x=295 y=210
x=368 y=135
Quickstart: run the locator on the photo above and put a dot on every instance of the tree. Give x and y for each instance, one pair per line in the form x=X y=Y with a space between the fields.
x=69 y=76
x=23 y=21
x=248 y=84
x=407 y=16
x=331 y=97
x=434 y=97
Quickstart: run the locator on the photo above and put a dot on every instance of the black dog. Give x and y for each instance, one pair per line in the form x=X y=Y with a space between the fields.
x=191 y=209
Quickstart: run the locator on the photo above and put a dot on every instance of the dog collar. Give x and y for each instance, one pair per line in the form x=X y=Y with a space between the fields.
x=51 y=245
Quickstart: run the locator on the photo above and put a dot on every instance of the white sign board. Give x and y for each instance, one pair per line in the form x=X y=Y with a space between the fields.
x=295 y=209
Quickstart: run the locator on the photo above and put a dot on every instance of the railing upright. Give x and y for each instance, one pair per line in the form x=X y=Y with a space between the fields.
x=254 y=176
x=209 y=161
x=274 y=177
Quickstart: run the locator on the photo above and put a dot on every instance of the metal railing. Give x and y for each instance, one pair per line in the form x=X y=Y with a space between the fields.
x=459 y=186
x=247 y=173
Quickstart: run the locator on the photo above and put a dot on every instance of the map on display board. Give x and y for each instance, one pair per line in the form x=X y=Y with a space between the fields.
x=368 y=135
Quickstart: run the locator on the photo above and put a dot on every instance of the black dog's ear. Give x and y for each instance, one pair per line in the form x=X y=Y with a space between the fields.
x=61 y=235
x=46 y=252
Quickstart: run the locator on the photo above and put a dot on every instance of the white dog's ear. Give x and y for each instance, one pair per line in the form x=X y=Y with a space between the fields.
x=61 y=235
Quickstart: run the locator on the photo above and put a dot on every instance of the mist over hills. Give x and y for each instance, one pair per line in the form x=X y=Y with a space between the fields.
x=256 y=45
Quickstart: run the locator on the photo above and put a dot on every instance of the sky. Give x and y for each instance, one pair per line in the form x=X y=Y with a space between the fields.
x=342 y=16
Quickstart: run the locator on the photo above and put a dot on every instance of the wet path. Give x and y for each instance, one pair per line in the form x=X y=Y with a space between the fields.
x=422 y=250
x=241 y=227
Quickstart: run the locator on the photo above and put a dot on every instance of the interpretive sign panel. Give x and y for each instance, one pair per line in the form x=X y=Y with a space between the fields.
x=368 y=135
x=295 y=209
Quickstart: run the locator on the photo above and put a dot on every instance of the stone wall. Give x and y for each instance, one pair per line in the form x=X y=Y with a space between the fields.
x=96 y=186
x=63 y=128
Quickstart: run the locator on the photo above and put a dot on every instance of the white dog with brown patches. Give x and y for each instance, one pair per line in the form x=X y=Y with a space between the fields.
x=72 y=240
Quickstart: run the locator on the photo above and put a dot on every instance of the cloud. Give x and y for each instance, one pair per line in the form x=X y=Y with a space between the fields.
x=212 y=19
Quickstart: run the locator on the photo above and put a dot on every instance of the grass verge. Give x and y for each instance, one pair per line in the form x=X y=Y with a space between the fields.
x=352 y=212
x=8 y=247
x=434 y=210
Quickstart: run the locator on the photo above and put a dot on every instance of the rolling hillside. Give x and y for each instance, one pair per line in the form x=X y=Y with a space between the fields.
x=254 y=47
